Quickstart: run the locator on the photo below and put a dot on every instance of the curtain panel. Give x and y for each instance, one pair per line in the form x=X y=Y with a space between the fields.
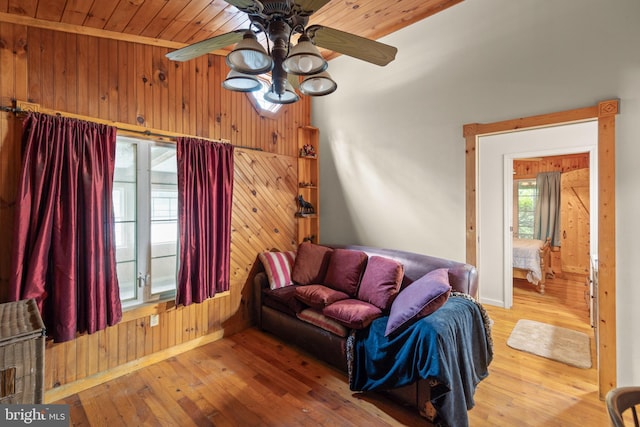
x=205 y=195
x=547 y=219
x=64 y=250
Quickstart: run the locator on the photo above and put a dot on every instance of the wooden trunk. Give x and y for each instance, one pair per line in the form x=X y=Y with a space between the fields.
x=22 y=336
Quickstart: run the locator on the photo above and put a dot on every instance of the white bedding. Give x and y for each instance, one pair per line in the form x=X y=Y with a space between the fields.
x=526 y=255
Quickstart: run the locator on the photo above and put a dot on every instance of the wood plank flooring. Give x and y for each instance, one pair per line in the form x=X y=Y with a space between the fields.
x=253 y=379
x=527 y=390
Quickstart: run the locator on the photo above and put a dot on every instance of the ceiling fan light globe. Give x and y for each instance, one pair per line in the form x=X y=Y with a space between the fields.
x=305 y=63
x=304 y=59
x=318 y=85
x=249 y=57
x=289 y=96
x=240 y=82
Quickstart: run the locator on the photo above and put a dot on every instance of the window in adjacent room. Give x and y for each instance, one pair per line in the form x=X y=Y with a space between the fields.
x=145 y=203
x=525 y=194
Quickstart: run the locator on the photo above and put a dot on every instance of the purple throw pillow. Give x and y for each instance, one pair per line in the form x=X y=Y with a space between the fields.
x=352 y=313
x=345 y=269
x=319 y=296
x=381 y=281
x=311 y=264
x=283 y=299
x=419 y=299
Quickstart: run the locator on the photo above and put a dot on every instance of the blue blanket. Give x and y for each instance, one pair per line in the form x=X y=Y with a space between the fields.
x=453 y=346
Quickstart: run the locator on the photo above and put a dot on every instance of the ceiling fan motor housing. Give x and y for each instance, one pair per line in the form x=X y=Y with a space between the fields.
x=279 y=11
x=276 y=7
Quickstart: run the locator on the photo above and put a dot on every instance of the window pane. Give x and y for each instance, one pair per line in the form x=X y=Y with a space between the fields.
x=124 y=201
x=127 y=280
x=124 y=210
x=163 y=165
x=164 y=217
x=527 y=193
x=125 y=241
x=125 y=170
x=164 y=274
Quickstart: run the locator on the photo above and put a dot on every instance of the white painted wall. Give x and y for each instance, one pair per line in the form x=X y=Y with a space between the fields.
x=392 y=167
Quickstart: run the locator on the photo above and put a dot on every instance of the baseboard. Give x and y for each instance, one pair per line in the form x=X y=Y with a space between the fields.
x=65 y=390
x=490 y=301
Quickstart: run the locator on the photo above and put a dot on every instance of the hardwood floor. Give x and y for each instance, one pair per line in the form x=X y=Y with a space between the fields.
x=527 y=390
x=252 y=379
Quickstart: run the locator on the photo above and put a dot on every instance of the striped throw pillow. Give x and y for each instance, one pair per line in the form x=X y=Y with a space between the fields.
x=313 y=316
x=278 y=266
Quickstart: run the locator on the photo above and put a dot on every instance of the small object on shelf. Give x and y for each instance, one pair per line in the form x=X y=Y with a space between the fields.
x=306 y=185
x=307 y=150
x=304 y=208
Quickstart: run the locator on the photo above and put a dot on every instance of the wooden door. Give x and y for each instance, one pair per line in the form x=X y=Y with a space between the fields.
x=574 y=221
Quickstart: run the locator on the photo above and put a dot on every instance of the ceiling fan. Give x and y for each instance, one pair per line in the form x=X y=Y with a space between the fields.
x=279 y=20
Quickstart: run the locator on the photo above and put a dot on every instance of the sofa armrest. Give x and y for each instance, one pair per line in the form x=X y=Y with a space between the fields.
x=260 y=282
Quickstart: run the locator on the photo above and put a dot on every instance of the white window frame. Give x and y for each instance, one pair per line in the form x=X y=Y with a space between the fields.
x=144 y=291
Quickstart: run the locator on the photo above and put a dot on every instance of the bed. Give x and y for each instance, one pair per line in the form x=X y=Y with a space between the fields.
x=532 y=261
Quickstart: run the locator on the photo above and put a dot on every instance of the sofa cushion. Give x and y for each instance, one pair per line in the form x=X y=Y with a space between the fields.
x=311 y=264
x=345 y=269
x=352 y=313
x=319 y=295
x=277 y=266
x=419 y=299
x=381 y=281
x=283 y=299
x=315 y=317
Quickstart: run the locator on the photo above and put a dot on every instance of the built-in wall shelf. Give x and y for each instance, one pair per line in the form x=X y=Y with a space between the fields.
x=308 y=203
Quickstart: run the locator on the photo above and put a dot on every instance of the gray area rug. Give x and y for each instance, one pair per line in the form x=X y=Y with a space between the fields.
x=553 y=342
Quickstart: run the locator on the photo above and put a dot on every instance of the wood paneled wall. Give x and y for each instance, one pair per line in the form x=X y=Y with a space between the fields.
x=135 y=84
x=529 y=168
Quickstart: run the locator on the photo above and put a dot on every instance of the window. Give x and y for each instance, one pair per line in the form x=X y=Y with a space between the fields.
x=264 y=107
x=525 y=200
x=145 y=204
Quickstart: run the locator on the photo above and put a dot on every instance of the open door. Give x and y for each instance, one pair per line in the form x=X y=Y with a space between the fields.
x=574 y=222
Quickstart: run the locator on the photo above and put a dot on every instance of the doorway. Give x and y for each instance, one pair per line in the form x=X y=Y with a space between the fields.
x=605 y=113
x=584 y=133
x=495 y=183
x=570 y=224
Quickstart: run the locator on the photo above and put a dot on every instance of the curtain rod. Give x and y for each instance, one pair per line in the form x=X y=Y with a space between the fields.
x=146 y=132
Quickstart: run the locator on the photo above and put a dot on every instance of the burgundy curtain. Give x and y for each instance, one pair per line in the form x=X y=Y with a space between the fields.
x=63 y=253
x=205 y=193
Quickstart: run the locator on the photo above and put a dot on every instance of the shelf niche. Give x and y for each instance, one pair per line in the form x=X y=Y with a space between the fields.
x=308 y=185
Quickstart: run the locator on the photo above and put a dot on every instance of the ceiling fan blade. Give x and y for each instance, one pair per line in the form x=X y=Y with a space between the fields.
x=206 y=46
x=244 y=5
x=352 y=45
x=310 y=6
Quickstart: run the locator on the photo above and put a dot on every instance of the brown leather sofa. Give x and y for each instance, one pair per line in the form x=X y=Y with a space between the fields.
x=331 y=348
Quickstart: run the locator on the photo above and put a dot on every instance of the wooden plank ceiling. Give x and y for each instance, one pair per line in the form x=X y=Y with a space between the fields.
x=175 y=23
